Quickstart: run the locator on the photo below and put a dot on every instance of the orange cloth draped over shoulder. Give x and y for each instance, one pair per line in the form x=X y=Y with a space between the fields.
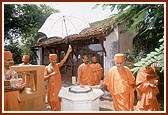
x=120 y=83
x=11 y=98
x=148 y=101
x=53 y=90
x=86 y=74
x=98 y=72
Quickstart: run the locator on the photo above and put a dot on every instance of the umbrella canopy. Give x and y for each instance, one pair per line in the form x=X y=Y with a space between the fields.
x=62 y=26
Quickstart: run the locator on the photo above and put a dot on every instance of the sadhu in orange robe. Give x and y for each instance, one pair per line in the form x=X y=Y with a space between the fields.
x=98 y=72
x=120 y=83
x=86 y=75
x=55 y=81
x=53 y=90
x=11 y=98
x=148 y=100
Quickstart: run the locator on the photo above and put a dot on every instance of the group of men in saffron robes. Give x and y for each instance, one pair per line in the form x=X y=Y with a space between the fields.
x=121 y=84
x=53 y=75
x=89 y=74
x=119 y=81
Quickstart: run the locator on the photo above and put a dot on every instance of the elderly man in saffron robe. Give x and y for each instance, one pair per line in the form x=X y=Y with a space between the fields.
x=121 y=84
x=85 y=73
x=147 y=89
x=53 y=75
x=11 y=97
x=97 y=69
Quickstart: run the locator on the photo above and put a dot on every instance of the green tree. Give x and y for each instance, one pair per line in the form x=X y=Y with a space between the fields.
x=21 y=24
x=148 y=21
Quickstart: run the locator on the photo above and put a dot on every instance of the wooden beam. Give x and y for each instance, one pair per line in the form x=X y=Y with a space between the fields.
x=104 y=50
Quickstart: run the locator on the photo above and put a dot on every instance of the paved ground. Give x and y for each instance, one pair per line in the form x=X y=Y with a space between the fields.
x=106 y=103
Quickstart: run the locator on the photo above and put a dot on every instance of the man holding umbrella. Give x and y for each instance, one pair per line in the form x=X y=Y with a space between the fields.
x=53 y=75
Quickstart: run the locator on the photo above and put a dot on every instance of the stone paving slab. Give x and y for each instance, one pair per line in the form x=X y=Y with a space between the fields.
x=106 y=103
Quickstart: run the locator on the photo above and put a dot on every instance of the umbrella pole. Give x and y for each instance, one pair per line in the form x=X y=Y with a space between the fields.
x=65 y=25
x=66 y=41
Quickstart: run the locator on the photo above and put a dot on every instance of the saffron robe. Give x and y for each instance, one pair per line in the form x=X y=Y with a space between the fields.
x=85 y=75
x=148 y=100
x=11 y=98
x=54 y=88
x=120 y=83
x=11 y=101
x=98 y=72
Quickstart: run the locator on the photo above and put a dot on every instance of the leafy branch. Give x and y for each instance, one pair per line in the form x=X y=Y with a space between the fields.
x=154 y=57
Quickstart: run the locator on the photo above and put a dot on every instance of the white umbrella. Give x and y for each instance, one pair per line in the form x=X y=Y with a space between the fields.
x=62 y=26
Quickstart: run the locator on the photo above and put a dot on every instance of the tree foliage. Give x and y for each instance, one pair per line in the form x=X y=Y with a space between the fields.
x=154 y=57
x=21 y=24
x=148 y=21
x=23 y=19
